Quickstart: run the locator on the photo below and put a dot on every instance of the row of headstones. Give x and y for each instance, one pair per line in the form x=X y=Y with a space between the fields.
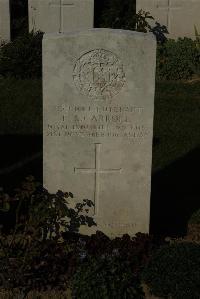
x=180 y=16
x=50 y=16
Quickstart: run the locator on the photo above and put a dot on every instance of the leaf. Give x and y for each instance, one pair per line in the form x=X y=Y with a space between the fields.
x=71 y=195
x=59 y=193
x=6 y=207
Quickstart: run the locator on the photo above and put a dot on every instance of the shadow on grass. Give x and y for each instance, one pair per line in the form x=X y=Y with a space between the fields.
x=175 y=195
x=21 y=155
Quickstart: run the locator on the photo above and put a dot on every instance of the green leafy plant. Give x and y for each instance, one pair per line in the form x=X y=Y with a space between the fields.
x=4 y=201
x=197 y=41
x=135 y=250
x=46 y=213
x=141 y=21
x=195 y=218
x=111 y=268
x=22 y=58
x=197 y=35
x=193 y=229
x=107 y=277
x=33 y=255
x=177 y=59
x=119 y=14
x=174 y=271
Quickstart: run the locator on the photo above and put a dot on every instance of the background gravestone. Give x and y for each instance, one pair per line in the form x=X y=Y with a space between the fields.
x=52 y=16
x=98 y=102
x=4 y=20
x=179 y=16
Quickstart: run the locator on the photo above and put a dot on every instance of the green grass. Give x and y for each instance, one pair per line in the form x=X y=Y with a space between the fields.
x=176 y=122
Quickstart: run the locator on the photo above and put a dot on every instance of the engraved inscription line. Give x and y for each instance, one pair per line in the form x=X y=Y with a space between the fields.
x=97 y=171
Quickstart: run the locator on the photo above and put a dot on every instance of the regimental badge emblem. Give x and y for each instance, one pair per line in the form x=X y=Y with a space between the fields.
x=99 y=74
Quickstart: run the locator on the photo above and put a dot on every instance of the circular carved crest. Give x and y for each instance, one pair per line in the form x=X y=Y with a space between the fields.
x=99 y=74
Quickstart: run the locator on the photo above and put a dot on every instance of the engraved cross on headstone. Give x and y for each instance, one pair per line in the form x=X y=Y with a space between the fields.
x=170 y=7
x=62 y=4
x=97 y=171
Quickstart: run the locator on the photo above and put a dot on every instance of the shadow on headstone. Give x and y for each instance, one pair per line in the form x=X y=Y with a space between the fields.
x=175 y=195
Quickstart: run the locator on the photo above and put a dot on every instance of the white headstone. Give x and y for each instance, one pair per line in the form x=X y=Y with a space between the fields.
x=53 y=16
x=98 y=123
x=4 y=20
x=179 y=16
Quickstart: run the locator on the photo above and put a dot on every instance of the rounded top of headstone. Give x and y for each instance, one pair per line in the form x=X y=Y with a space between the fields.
x=96 y=31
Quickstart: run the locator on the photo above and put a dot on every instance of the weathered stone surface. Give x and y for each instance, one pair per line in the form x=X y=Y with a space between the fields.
x=4 y=20
x=179 y=16
x=98 y=123
x=53 y=16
